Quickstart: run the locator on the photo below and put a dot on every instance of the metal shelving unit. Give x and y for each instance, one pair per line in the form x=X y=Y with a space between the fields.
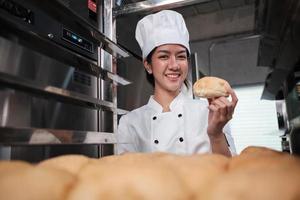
x=19 y=25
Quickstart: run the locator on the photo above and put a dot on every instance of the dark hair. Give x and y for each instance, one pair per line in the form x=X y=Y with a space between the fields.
x=150 y=77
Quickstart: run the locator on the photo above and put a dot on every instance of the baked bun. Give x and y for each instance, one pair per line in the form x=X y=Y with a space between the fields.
x=70 y=163
x=36 y=183
x=211 y=87
x=259 y=173
x=129 y=176
x=257 y=158
x=10 y=167
x=198 y=172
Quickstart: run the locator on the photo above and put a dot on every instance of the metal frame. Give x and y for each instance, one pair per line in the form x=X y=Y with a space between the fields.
x=145 y=6
x=62 y=95
x=49 y=47
x=35 y=136
x=106 y=24
x=62 y=13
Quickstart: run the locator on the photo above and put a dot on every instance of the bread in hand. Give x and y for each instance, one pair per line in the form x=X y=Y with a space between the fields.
x=211 y=87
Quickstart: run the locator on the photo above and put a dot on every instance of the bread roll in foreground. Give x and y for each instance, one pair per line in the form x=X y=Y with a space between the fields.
x=36 y=183
x=13 y=167
x=197 y=172
x=70 y=163
x=258 y=173
x=184 y=177
x=211 y=87
x=129 y=177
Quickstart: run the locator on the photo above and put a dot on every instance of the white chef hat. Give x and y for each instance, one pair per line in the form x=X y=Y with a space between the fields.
x=164 y=27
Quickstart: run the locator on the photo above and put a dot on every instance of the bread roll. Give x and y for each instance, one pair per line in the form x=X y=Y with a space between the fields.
x=259 y=173
x=197 y=172
x=260 y=151
x=260 y=184
x=70 y=163
x=127 y=177
x=149 y=176
x=130 y=183
x=12 y=167
x=262 y=158
x=211 y=87
x=36 y=183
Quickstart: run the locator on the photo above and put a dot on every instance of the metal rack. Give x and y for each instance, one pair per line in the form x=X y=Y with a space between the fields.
x=19 y=25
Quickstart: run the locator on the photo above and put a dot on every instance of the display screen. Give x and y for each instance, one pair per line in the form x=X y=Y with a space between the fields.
x=77 y=40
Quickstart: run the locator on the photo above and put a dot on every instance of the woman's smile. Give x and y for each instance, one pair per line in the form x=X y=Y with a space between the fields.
x=173 y=76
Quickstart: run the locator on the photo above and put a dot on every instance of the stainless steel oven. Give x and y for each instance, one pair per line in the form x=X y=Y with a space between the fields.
x=56 y=96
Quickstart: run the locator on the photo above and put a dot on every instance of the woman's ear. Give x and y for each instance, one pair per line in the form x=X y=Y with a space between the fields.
x=148 y=67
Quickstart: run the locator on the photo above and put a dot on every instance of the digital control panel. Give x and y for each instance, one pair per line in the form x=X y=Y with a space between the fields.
x=77 y=40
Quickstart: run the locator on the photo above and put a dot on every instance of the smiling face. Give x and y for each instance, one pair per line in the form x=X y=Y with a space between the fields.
x=169 y=66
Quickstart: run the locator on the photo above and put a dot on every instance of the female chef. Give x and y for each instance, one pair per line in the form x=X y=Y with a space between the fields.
x=171 y=121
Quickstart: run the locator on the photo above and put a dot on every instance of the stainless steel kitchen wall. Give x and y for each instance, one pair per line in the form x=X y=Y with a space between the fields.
x=19 y=109
x=58 y=78
x=22 y=62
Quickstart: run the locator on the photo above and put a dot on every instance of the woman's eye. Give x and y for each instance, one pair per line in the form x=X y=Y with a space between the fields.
x=163 y=57
x=182 y=57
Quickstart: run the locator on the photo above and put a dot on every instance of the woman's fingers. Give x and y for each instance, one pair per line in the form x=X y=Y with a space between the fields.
x=213 y=108
x=223 y=106
x=220 y=105
x=234 y=98
x=229 y=107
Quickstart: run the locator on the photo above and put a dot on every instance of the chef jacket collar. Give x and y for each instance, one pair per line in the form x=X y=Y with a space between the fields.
x=159 y=109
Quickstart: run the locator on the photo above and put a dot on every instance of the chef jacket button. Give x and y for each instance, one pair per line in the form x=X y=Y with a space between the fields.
x=154 y=118
x=179 y=115
x=156 y=141
x=181 y=139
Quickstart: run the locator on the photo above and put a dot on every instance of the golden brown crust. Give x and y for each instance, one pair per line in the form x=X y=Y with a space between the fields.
x=36 y=183
x=129 y=176
x=211 y=87
x=70 y=163
x=256 y=158
x=257 y=173
x=13 y=167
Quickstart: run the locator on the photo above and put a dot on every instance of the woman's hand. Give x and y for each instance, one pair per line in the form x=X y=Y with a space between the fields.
x=220 y=112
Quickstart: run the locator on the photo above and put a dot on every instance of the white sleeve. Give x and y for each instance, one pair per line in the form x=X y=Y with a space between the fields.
x=229 y=138
x=125 y=138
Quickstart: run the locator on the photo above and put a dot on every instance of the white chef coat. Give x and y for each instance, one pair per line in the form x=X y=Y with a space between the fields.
x=182 y=130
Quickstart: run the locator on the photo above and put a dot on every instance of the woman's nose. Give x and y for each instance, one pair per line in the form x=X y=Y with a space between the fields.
x=173 y=64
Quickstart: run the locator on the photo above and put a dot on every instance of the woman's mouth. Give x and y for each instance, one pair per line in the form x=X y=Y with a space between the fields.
x=173 y=77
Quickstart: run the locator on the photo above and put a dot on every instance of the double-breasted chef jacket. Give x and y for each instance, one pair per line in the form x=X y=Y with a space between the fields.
x=182 y=130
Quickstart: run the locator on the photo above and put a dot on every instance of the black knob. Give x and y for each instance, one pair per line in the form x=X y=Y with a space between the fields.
x=156 y=141
x=154 y=118
x=179 y=115
x=181 y=139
